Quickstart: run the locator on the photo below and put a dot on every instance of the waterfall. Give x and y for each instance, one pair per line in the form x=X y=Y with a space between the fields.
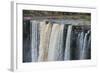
x=44 y=40
x=45 y=31
x=84 y=50
x=81 y=41
x=34 y=40
x=67 y=47
x=82 y=56
x=55 y=52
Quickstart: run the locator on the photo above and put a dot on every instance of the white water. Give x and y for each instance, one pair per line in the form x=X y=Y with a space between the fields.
x=34 y=41
x=67 y=48
x=55 y=52
x=45 y=31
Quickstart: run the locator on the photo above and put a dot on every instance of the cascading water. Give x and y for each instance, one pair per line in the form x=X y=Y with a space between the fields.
x=67 y=47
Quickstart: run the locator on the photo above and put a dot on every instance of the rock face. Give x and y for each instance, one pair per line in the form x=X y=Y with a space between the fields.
x=46 y=40
x=26 y=42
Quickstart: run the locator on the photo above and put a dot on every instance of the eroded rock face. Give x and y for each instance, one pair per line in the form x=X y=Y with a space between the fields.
x=26 y=42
